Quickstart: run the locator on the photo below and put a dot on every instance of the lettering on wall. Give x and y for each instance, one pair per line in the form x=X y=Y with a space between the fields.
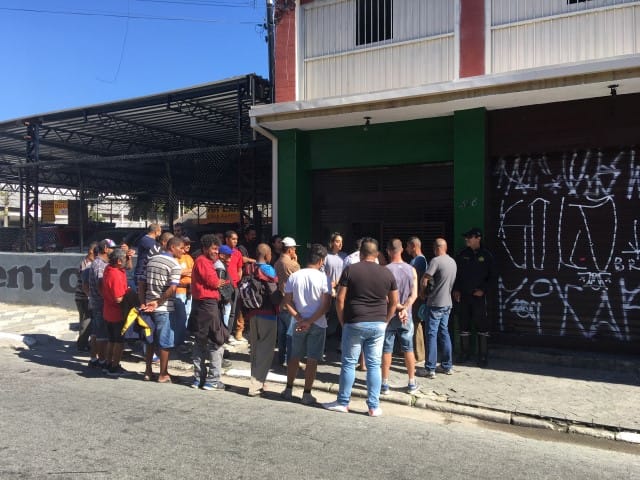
x=41 y=278
x=568 y=244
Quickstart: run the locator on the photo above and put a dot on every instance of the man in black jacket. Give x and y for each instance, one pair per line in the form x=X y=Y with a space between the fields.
x=475 y=275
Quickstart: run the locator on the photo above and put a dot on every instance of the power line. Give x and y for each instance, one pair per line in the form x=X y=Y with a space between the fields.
x=203 y=3
x=124 y=44
x=129 y=16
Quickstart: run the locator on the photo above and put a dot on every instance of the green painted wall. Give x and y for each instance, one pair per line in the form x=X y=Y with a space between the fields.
x=469 y=155
x=461 y=138
x=294 y=186
x=416 y=141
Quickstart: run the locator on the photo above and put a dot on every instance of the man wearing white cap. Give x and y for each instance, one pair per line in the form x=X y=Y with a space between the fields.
x=285 y=266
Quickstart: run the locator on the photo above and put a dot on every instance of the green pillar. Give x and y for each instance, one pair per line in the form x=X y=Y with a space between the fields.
x=294 y=186
x=469 y=161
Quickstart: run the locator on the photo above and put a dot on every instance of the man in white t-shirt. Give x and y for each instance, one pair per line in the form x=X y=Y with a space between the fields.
x=307 y=297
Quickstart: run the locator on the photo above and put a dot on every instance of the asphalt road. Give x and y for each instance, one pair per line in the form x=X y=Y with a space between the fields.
x=58 y=422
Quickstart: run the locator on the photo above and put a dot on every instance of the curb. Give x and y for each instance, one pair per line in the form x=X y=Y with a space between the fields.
x=504 y=417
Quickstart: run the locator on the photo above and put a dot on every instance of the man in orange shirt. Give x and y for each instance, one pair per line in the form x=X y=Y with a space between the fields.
x=183 y=292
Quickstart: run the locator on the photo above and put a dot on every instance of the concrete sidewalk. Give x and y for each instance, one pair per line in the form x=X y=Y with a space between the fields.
x=557 y=391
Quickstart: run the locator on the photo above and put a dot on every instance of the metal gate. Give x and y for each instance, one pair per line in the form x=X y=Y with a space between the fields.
x=383 y=203
x=565 y=230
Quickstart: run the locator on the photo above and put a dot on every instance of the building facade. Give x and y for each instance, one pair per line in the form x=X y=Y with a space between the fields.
x=428 y=117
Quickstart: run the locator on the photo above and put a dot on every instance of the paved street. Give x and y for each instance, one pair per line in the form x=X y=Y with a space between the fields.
x=60 y=422
x=596 y=402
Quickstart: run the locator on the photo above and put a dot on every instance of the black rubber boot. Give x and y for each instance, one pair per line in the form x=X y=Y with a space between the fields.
x=483 y=349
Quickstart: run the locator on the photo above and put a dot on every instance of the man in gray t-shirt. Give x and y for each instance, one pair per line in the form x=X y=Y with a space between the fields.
x=438 y=280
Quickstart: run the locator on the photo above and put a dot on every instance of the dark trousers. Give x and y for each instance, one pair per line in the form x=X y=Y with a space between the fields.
x=472 y=311
x=84 y=324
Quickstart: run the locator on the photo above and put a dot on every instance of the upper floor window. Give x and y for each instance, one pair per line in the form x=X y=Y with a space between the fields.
x=569 y=2
x=374 y=21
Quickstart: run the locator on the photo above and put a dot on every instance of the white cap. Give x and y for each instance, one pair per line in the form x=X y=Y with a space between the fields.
x=289 y=242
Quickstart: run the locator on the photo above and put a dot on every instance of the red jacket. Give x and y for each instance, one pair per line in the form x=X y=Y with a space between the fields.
x=204 y=280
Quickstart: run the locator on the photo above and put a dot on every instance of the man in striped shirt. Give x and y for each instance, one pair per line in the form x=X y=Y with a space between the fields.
x=160 y=280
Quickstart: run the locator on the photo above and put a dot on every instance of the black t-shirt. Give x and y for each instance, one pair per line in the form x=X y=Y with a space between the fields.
x=368 y=285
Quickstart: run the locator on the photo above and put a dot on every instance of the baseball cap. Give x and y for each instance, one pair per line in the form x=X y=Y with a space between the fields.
x=289 y=242
x=186 y=239
x=107 y=243
x=474 y=232
x=225 y=250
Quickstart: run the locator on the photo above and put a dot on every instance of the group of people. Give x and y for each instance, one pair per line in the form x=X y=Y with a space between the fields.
x=376 y=304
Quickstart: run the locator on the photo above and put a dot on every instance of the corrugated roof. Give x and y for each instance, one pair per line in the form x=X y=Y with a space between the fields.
x=193 y=140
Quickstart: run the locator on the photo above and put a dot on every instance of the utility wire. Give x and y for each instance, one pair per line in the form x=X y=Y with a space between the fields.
x=124 y=44
x=204 y=3
x=129 y=16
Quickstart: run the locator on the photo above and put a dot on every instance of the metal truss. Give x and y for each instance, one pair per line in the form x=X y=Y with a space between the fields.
x=205 y=112
x=155 y=136
x=85 y=143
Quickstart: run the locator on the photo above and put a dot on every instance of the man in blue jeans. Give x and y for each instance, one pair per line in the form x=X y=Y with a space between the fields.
x=366 y=302
x=438 y=282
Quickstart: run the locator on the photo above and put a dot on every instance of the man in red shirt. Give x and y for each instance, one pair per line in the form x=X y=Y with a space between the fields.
x=205 y=322
x=234 y=269
x=114 y=288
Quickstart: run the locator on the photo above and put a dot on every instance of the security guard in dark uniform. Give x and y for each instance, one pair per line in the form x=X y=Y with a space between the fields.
x=475 y=275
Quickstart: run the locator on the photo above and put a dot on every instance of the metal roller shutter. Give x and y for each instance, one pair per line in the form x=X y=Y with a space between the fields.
x=386 y=202
x=565 y=229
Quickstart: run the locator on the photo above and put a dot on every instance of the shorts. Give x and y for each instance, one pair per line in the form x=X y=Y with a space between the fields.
x=165 y=329
x=114 y=330
x=405 y=333
x=98 y=325
x=308 y=344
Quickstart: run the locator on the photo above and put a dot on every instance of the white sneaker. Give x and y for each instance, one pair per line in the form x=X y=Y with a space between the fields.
x=336 y=407
x=375 y=412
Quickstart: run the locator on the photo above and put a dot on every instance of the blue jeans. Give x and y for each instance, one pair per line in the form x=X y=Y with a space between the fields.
x=182 y=307
x=284 y=340
x=368 y=337
x=437 y=336
x=226 y=315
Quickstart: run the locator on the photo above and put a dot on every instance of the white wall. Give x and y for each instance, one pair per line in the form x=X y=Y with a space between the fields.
x=529 y=34
x=420 y=52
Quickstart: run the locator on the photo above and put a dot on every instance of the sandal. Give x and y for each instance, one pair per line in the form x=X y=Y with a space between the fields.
x=166 y=380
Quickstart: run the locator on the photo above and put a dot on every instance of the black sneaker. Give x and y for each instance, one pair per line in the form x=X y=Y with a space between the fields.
x=105 y=367
x=214 y=386
x=94 y=363
x=117 y=371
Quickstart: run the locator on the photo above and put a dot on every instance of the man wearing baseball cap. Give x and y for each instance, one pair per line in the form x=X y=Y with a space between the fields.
x=475 y=276
x=285 y=266
x=98 y=325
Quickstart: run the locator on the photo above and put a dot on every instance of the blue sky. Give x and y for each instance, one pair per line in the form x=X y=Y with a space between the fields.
x=97 y=51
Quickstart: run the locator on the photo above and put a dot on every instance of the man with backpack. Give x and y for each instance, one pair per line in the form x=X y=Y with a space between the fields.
x=258 y=292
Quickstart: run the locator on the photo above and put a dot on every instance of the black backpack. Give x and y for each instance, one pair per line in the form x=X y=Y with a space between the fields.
x=251 y=290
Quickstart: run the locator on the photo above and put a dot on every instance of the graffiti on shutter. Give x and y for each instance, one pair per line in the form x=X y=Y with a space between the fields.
x=568 y=244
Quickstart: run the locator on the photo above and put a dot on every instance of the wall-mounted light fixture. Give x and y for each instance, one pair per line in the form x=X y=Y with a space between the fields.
x=367 y=122
x=613 y=89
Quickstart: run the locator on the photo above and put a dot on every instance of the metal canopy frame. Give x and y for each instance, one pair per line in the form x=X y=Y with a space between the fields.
x=192 y=145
